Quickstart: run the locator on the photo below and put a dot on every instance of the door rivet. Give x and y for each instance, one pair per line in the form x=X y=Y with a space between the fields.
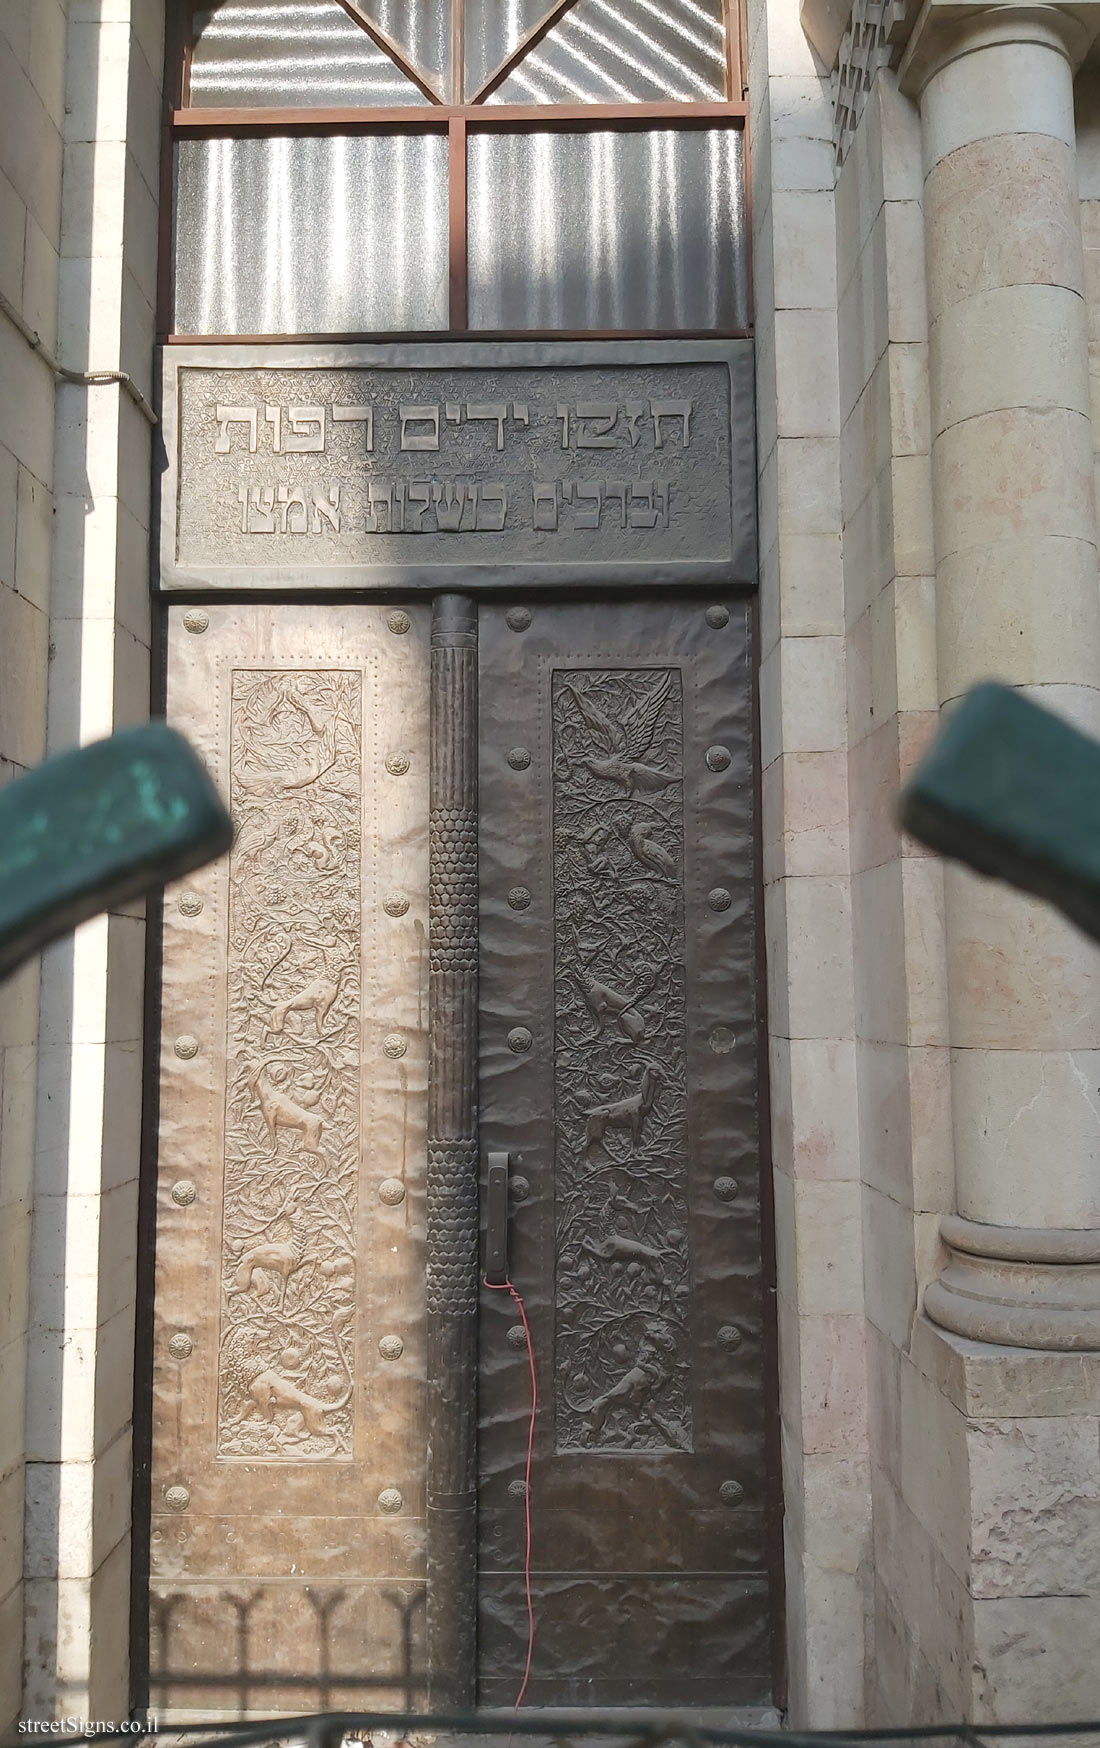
x=725 y=1188
x=731 y=1492
x=390 y=1501
x=394 y=1045
x=186 y=1046
x=181 y=1347
x=196 y=620
x=396 y=904
x=520 y=1188
x=520 y=1039
x=519 y=758
x=722 y=1040
x=391 y=1347
x=398 y=622
x=519 y=898
x=397 y=764
x=391 y=1191
x=719 y=898
x=718 y=758
x=716 y=617
x=729 y=1335
x=177 y=1498
x=516 y=1336
x=184 y=1193
x=189 y=904
x=518 y=618
x=517 y=1489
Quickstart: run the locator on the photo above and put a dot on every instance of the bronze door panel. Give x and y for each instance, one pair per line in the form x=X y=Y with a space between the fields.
x=289 y=1334
x=619 y=1069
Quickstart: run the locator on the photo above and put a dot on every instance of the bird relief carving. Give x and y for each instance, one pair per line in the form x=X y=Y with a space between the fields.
x=622 y=1353
x=290 y=1193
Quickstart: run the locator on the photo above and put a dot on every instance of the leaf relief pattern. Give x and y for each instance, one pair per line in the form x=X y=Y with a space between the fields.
x=292 y=1116
x=622 y=1353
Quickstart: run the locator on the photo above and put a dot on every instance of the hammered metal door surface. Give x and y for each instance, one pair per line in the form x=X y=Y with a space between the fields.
x=287 y=1449
x=618 y=1066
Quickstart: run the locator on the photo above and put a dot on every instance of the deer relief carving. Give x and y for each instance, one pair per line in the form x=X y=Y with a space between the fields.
x=292 y=1142
x=622 y=1349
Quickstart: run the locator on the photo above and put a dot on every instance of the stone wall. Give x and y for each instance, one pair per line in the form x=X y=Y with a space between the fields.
x=80 y=124
x=32 y=83
x=808 y=892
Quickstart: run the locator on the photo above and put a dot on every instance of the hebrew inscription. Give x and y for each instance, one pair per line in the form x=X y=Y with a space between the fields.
x=622 y=1349
x=292 y=1141
x=289 y=466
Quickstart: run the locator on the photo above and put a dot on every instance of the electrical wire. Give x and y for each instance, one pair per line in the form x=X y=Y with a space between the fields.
x=507 y=1287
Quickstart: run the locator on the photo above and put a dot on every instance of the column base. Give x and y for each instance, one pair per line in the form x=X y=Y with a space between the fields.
x=1019 y=1286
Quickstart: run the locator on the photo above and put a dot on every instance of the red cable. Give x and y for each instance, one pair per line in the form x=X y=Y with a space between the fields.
x=507 y=1287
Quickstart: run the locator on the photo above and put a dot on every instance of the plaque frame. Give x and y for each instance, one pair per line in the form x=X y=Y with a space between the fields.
x=737 y=568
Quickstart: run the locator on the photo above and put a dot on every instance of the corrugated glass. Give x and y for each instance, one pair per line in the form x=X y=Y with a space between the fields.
x=607 y=229
x=625 y=51
x=421 y=29
x=290 y=54
x=492 y=30
x=323 y=235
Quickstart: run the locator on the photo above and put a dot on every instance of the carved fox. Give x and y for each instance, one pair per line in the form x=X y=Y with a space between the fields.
x=316 y=998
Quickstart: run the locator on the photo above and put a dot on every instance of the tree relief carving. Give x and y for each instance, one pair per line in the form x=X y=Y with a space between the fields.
x=622 y=1351
x=292 y=1120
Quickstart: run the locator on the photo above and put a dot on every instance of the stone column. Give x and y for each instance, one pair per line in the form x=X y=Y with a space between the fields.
x=1016 y=598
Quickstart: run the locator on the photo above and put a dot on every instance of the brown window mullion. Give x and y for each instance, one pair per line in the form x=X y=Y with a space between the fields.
x=456 y=172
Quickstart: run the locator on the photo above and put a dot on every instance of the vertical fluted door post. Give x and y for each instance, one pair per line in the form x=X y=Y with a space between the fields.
x=1016 y=599
x=452 y=1198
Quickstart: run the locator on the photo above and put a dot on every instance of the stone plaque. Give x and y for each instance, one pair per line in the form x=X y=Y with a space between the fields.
x=458 y=464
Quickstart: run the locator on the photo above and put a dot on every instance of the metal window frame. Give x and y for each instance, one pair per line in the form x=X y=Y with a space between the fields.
x=457 y=120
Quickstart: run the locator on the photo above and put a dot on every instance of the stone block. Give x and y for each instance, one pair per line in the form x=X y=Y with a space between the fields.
x=20 y=1064
x=805 y=250
x=910 y=415
x=1010 y=346
x=872 y=787
x=889 y=1265
x=808 y=164
x=19 y=1005
x=114 y=1405
x=881 y=1014
x=33 y=534
x=93 y=207
x=808 y=485
x=141 y=237
x=869 y=547
x=865 y=442
x=828 y=1247
x=935 y=1478
x=1016 y=1107
x=30 y=144
x=863 y=319
x=13 y=1394
x=24 y=636
x=833 y=1382
x=1010 y=88
x=836 y=1633
x=775 y=938
x=911 y=512
x=1002 y=211
x=1035 y=1656
x=1023 y=608
x=926 y=952
x=824 y=1115
x=801 y=107
x=46 y=58
x=1035 y=1504
x=15 y=1257
x=13 y=225
x=819 y=963
x=96 y=112
x=998 y=1001
x=915 y=644
x=987 y=1381
x=933 y=1137
x=811 y=585
x=11 y=1659
x=27 y=406
x=11 y=1531
x=89 y=328
x=906 y=278
x=807 y=385
x=813 y=694
x=884 y=1410
x=900 y=133
x=810 y=815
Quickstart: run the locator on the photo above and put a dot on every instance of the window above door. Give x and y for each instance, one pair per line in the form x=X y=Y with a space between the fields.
x=384 y=167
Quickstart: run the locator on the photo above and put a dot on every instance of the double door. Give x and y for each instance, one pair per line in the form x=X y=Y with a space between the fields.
x=491 y=895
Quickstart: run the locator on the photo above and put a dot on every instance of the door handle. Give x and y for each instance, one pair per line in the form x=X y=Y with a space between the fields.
x=496 y=1219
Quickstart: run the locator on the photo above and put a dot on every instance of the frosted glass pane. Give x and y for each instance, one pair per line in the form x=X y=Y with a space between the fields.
x=302 y=54
x=625 y=51
x=421 y=29
x=607 y=230
x=311 y=235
